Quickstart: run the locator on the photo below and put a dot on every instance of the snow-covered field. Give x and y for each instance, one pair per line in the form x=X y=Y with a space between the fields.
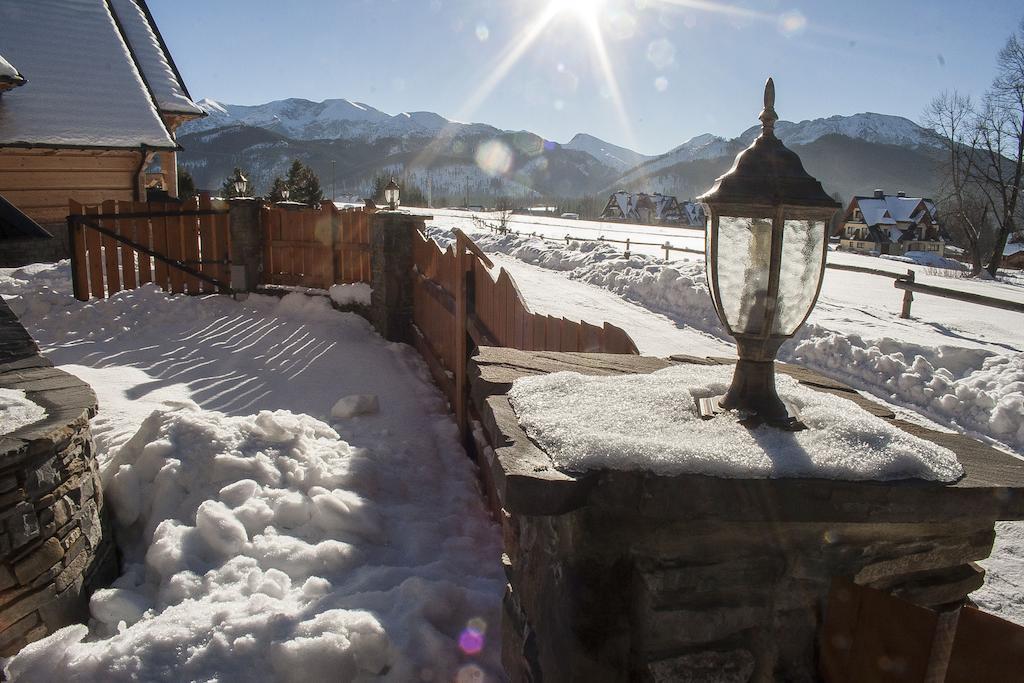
x=270 y=531
x=953 y=365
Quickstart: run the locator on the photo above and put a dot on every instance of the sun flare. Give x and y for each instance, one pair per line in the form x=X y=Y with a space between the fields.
x=586 y=9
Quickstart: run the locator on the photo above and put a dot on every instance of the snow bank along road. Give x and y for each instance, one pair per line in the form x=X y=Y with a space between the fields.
x=263 y=538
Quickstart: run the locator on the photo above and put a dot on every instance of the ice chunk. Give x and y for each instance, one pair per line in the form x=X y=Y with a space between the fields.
x=357 y=404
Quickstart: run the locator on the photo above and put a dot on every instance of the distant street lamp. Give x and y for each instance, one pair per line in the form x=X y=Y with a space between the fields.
x=767 y=223
x=285 y=194
x=240 y=183
x=391 y=194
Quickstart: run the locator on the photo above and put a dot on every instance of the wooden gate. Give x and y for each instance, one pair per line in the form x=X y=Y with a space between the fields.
x=455 y=297
x=181 y=247
x=315 y=247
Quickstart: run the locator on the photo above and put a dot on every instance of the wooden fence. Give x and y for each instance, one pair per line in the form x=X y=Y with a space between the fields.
x=181 y=247
x=869 y=635
x=315 y=247
x=457 y=299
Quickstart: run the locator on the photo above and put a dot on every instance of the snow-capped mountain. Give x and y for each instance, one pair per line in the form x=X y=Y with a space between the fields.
x=619 y=158
x=881 y=129
x=301 y=119
x=849 y=154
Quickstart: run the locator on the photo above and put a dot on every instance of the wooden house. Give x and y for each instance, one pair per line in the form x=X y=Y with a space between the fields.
x=891 y=224
x=651 y=209
x=89 y=101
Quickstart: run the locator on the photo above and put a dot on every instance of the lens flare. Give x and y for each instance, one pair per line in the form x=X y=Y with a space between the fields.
x=494 y=158
x=471 y=640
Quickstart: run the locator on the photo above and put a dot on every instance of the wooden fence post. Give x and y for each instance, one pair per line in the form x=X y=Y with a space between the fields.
x=908 y=296
x=461 y=316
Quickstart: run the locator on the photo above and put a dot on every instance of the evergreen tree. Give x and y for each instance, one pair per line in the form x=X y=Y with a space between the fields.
x=303 y=184
x=227 y=188
x=186 y=185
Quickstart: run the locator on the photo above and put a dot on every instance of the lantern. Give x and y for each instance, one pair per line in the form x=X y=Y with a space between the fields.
x=391 y=194
x=240 y=183
x=766 y=238
x=285 y=194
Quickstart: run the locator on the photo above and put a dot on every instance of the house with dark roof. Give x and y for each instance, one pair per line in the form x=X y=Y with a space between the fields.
x=651 y=209
x=89 y=101
x=891 y=224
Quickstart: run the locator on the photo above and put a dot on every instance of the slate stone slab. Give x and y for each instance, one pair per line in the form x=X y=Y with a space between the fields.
x=527 y=483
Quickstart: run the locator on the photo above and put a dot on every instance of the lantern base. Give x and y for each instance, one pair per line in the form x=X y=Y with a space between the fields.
x=752 y=394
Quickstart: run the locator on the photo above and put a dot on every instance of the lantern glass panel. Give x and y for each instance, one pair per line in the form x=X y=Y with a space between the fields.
x=803 y=242
x=742 y=266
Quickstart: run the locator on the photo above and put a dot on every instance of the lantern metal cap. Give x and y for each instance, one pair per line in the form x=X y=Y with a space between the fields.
x=768 y=172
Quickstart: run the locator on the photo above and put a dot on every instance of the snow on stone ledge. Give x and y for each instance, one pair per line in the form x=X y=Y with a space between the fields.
x=631 y=422
x=16 y=411
x=356 y=293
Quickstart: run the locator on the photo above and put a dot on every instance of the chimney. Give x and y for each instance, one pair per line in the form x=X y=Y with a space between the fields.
x=879 y=194
x=901 y=193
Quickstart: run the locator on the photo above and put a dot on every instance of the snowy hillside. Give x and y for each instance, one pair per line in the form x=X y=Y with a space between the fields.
x=620 y=158
x=331 y=119
x=877 y=128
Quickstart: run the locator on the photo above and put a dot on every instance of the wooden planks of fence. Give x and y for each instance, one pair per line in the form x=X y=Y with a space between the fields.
x=314 y=246
x=181 y=247
x=870 y=635
x=456 y=298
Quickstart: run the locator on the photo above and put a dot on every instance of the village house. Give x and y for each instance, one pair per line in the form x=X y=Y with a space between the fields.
x=90 y=99
x=651 y=209
x=891 y=224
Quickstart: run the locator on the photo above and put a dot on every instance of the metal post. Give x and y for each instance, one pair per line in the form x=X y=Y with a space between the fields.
x=908 y=296
x=666 y=250
x=627 y=248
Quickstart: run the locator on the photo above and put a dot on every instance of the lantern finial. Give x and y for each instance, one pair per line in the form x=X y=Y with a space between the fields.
x=768 y=116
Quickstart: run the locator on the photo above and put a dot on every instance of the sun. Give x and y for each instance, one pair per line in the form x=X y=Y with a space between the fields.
x=585 y=9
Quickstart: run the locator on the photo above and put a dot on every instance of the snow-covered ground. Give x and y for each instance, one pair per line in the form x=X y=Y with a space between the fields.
x=265 y=538
x=953 y=365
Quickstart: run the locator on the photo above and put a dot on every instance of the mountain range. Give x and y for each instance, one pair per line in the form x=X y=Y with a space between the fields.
x=351 y=143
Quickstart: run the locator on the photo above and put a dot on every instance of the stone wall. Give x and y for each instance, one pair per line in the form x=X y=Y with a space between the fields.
x=55 y=544
x=20 y=252
x=628 y=575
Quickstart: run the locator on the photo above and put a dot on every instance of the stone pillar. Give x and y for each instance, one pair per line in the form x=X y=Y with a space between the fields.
x=246 y=244
x=391 y=263
x=631 y=575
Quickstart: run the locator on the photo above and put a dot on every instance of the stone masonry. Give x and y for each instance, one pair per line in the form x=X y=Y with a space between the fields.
x=391 y=264
x=631 y=576
x=55 y=544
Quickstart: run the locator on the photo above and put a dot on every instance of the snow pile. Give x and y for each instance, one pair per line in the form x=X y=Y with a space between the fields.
x=262 y=538
x=355 y=293
x=16 y=411
x=651 y=422
x=927 y=258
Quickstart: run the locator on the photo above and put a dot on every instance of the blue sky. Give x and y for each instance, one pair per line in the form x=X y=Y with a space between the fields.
x=667 y=69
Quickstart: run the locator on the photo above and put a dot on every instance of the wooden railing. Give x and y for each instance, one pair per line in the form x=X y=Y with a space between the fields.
x=457 y=301
x=314 y=247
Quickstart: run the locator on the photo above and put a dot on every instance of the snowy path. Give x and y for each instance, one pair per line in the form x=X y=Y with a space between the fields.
x=263 y=538
x=551 y=293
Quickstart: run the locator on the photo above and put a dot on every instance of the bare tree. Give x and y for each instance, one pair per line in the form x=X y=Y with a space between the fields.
x=984 y=160
x=953 y=117
x=1001 y=132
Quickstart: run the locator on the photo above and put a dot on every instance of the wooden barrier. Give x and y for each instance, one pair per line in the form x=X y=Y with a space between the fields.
x=457 y=300
x=314 y=247
x=909 y=286
x=181 y=247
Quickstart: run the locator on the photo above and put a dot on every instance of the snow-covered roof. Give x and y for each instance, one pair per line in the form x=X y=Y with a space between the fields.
x=891 y=209
x=154 y=58
x=85 y=89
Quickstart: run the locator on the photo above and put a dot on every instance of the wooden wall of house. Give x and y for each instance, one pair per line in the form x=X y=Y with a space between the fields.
x=40 y=182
